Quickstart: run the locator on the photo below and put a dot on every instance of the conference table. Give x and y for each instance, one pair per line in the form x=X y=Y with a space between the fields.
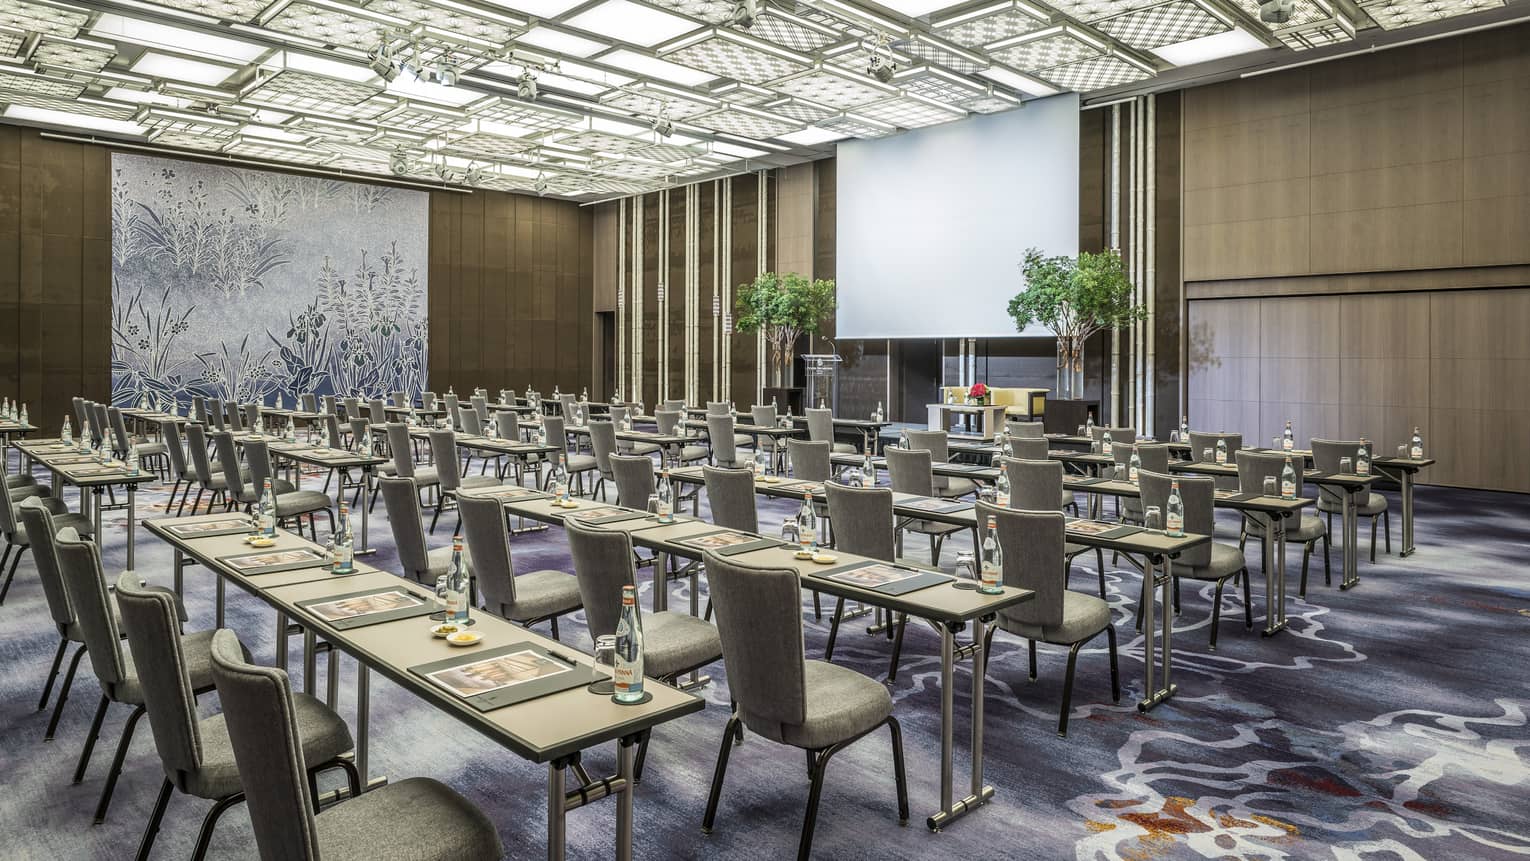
x=553 y=729
x=1157 y=550
x=950 y=608
x=326 y=458
x=13 y=427
x=68 y=465
x=870 y=431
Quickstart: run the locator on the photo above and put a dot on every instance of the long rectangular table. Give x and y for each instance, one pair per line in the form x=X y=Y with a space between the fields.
x=949 y=608
x=324 y=457
x=65 y=468
x=552 y=729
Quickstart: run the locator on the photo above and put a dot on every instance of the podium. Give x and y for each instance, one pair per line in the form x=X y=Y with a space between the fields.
x=822 y=371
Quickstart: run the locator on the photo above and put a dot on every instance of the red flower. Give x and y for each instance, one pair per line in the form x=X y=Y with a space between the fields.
x=978 y=390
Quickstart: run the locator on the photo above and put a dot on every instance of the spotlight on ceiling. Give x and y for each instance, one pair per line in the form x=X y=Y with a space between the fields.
x=527 y=86
x=744 y=13
x=380 y=60
x=446 y=74
x=663 y=124
x=474 y=175
x=881 y=66
x=398 y=162
x=540 y=186
x=1276 y=11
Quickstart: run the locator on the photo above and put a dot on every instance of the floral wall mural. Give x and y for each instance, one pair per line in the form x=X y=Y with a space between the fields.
x=251 y=285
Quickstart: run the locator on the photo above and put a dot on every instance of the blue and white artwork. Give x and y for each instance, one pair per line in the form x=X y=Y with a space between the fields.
x=249 y=285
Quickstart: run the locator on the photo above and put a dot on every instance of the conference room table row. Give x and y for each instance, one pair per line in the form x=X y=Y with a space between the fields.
x=552 y=729
x=67 y=466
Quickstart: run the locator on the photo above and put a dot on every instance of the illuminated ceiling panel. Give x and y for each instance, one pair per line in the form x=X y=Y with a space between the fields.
x=646 y=99
x=1168 y=24
x=222 y=10
x=1393 y=14
x=835 y=89
x=54 y=19
x=727 y=55
x=23 y=81
x=315 y=93
x=747 y=122
x=70 y=54
x=489 y=146
x=1036 y=51
x=857 y=126
x=1096 y=74
x=910 y=112
x=790 y=31
x=453 y=21
x=989 y=24
x=331 y=26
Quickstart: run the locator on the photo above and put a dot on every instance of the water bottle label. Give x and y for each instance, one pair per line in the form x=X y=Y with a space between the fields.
x=1131 y=474
x=1363 y=466
x=1175 y=522
x=1001 y=500
x=663 y=509
x=990 y=576
x=626 y=679
x=1106 y=448
x=1287 y=444
x=1416 y=452
x=1221 y=456
x=1288 y=489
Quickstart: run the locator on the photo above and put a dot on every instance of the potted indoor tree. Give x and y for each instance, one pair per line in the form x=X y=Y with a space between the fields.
x=784 y=307
x=1075 y=298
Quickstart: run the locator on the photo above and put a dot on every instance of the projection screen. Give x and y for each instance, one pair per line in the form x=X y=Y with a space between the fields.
x=932 y=224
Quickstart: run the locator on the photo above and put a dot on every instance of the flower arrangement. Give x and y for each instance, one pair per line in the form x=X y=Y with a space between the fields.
x=977 y=393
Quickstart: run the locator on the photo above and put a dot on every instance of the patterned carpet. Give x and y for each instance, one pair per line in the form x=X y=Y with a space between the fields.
x=1389 y=722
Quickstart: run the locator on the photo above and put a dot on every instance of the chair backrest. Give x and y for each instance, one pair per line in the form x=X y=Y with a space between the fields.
x=1035 y=485
x=352 y=407
x=38 y=523
x=809 y=459
x=154 y=638
x=199 y=409
x=1199 y=441
x=310 y=402
x=120 y=441
x=938 y=444
x=252 y=415
x=402 y=448
x=863 y=520
x=730 y=495
x=719 y=408
x=1030 y=448
x=1154 y=456
x=399 y=399
x=720 y=429
x=672 y=405
x=216 y=413
x=820 y=424
x=453 y=411
x=1118 y=436
x=9 y=524
x=80 y=416
x=228 y=458
x=427 y=400
x=507 y=424
x=235 y=416
x=170 y=435
x=1026 y=430
x=556 y=434
x=1327 y=452
x=443 y=447
x=332 y=430
x=480 y=408
x=257 y=454
x=361 y=434
x=1032 y=542
x=80 y=565
x=603 y=563
x=196 y=447
x=329 y=407
x=603 y=443
x=1199 y=496
x=667 y=421
x=100 y=422
x=377 y=411
x=634 y=479
x=908 y=471
x=759 y=618
x=1253 y=466
x=257 y=703
x=471 y=422
x=483 y=531
x=764 y=417
x=401 y=499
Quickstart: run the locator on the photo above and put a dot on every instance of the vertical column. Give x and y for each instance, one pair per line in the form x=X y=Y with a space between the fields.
x=1111 y=367
x=727 y=291
x=693 y=305
x=717 y=209
x=1150 y=271
x=621 y=296
x=761 y=260
x=637 y=298
x=662 y=291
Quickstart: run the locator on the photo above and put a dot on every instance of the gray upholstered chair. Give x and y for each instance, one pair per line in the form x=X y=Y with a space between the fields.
x=1031 y=448
x=1036 y=485
x=1118 y=436
x=400 y=400
x=730 y=495
x=1033 y=543
x=1213 y=563
x=443 y=447
x=634 y=479
x=908 y=471
x=674 y=642
x=290 y=502
x=401 y=500
x=1150 y=456
x=668 y=422
x=779 y=694
x=377 y=411
x=195 y=752
x=235 y=416
x=417 y=818
x=1025 y=430
x=602 y=447
x=237 y=479
x=210 y=480
x=576 y=464
x=1252 y=469
x=180 y=470
x=218 y=413
x=148 y=452
x=252 y=415
x=471 y=423
x=118 y=673
x=619 y=414
x=523 y=598
x=16 y=540
x=820 y=426
x=309 y=401
x=1199 y=442
x=764 y=416
x=401 y=445
x=40 y=525
x=1326 y=454
x=427 y=400
x=810 y=459
x=724 y=440
x=938 y=444
x=480 y=404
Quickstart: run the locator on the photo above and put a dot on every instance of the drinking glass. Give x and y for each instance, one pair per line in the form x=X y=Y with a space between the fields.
x=1152 y=518
x=1346 y=465
x=988 y=494
x=1269 y=485
x=440 y=614
x=1174 y=435
x=1277 y=443
x=605 y=654
x=653 y=503
x=789 y=532
x=1208 y=456
x=1082 y=430
x=1402 y=451
x=966 y=570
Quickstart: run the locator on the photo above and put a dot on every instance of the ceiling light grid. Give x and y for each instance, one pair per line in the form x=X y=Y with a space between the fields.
x=254 y=147
x=1394 y=14
x=990 y=103
x=421 y=119
x=666 y=153
x=184 y=140
x=53 y=19
x=1090 y=11
x=726 y=54
x=931 y=50
x=910 y=112
x=791 y=31
x=992 y=23
x=490 y=146
x=222 y=10
x=24 y=81
x=11 y=41
x=599 y=142
x=186 y=123
x=1096 y=74
x=1166 y=24
x=834 y=88
x=72 y=54
x=531 y=117
x=931 y=82
x=1045 y=49
x=304 y=91
x=739 y=93
x=86 y=107
x=451 y=20
x=857 y=126
x=341 y=26
x=800 y=109
x=747 y=122
x=1335 y=31
x=648 y=99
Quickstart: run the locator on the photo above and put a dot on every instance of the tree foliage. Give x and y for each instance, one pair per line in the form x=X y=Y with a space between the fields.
x=785 y=306
x=1075 y=297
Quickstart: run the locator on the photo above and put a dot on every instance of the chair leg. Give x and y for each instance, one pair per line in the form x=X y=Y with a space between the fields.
x=642 y=756
x=204 y=837
x=839 y=614
x=818 y=605
x=440 y=504
x=1327 y=562
x=810 y=817
x=63 y=693
x=1115 y=673
x=555 y=627
x=897 y=649
x=10 y=574
x=90 y=741
x=111 y=777
x=1067 y=697
x=1099 y=558
x=1032 y=644
x=1306 y=555
x=146 y=843
x=58 y=661
x=729 y=734
x=1386 y=528
x=1373 y=539
x=1216 y=613
x=1248 y=605
x=899 y=775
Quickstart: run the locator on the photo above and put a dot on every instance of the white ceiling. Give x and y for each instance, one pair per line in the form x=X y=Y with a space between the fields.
x=289 y=81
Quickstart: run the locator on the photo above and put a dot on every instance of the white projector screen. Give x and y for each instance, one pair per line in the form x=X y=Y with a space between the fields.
x=933 y=223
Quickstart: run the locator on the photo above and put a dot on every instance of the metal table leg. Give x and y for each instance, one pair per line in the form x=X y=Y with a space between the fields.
x=1351 y=552
x=1405 y=485
x=947 y=711
x=281 y=638
x=660 y=582
x=366 y=548
x=179 y=573
x=625 y=754
x=1154 y=695
x=220 y=588
x=1274 y=576
x=132 y=491
x=95 y=508
x=310 y=661
x=555 y=811
x=363 y=721
x=981 y=793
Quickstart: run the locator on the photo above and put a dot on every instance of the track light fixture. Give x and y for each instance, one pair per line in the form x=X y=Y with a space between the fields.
x=881 y=66
x=380 y=60
x=1276 y=11
x=662 y=124
x=526 y=88
x=474 y=175
x=446 y=73
x=540 y=186
x=398 y=162
x=744 y=13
